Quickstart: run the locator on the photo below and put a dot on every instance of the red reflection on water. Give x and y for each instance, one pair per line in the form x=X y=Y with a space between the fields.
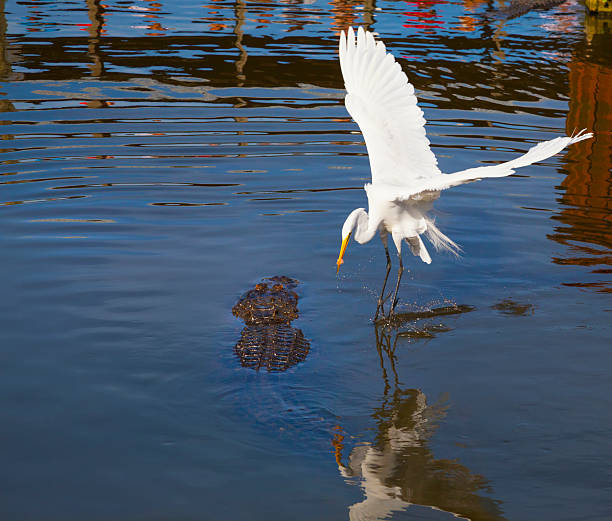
x=423 y=15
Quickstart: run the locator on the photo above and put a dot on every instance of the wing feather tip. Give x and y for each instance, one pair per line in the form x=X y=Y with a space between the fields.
x=580 y=136
x=378 y=88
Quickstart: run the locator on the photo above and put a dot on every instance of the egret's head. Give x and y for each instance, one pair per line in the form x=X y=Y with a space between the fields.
x=347 y=230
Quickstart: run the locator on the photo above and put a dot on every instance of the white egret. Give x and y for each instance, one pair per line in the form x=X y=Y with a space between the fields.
x=406 y=179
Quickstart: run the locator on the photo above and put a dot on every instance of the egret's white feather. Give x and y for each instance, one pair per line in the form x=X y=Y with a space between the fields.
x=536 y=153
x=405 y=177
x=382 y=102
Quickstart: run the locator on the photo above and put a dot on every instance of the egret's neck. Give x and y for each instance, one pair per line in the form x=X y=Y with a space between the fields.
x=365 y=228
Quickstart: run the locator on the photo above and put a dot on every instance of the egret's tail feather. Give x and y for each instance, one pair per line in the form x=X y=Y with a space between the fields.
x=441 y=241
x=418 y=248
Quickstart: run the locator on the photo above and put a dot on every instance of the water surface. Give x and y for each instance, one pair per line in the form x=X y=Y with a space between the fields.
x=160 y=158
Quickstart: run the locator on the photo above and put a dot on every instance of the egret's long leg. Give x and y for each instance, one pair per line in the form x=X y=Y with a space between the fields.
x=381 y=299
x=397 y=285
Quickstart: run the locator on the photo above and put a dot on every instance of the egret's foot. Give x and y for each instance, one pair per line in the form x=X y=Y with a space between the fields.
x=393 y=306
x=379 y=309
x=385 y=319
x=380 y=306
x=377 y=313
x=381 y=319
x=392 y=314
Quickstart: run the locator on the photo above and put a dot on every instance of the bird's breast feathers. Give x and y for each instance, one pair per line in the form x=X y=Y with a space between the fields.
x=405 y=217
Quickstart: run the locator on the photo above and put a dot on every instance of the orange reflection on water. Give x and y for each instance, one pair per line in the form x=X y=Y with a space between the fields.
x=587 y=212
x=150 y=16
x=469 y=23
x=343 y=13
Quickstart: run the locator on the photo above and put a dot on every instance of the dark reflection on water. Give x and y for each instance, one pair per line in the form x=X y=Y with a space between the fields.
x=158 y=157
x=397 y=468
x=417 y=316
x=511 y=307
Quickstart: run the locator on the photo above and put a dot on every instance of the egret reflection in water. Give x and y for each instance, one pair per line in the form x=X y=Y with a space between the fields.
x=397 y=468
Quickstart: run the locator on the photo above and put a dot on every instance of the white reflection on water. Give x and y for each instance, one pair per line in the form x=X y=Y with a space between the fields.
x=398 y=468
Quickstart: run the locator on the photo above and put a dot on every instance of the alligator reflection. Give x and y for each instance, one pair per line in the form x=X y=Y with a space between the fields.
x=398 y=468
x=268 y=340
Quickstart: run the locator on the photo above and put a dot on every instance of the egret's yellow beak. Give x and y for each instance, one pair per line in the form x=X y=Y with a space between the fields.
x=342 y=250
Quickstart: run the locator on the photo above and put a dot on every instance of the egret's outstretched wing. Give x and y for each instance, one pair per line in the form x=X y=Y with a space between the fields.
x=382 y=102
x=539 y=152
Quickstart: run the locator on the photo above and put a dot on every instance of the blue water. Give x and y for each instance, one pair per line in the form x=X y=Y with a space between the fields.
x=160 y=159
